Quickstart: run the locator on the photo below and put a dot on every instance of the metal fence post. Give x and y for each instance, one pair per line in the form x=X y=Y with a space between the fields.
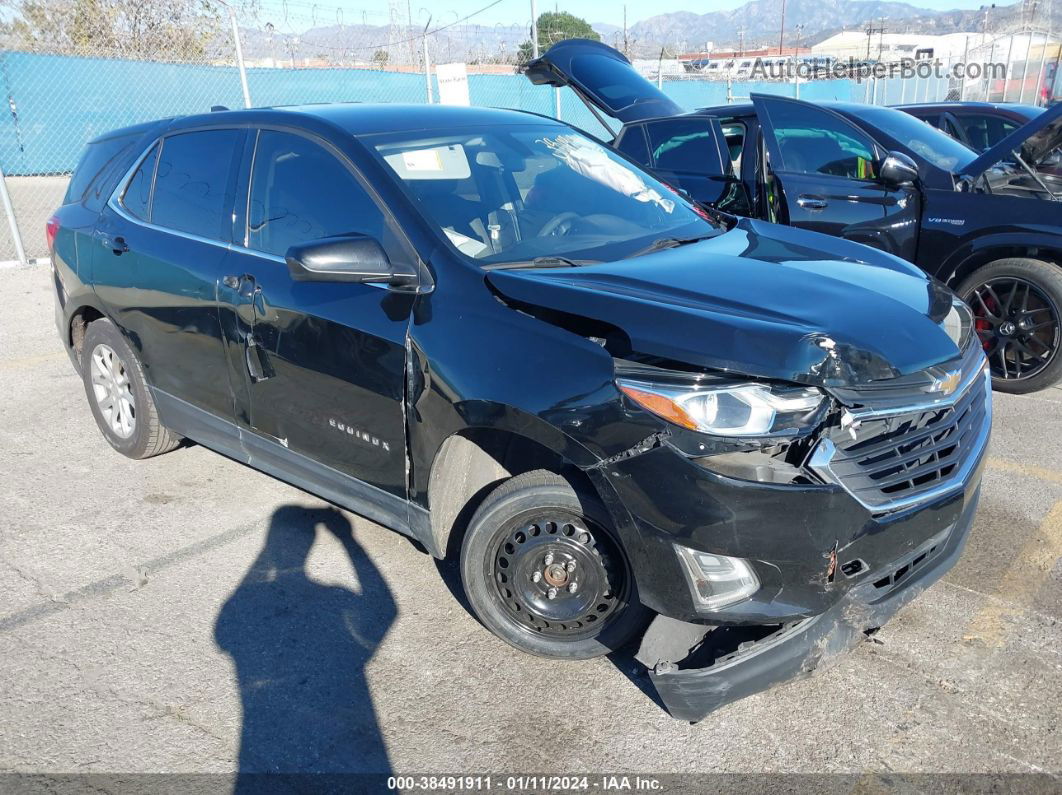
x=965 y=61
x=427 y=69
x=1025 y=69
x=557 y=102
x=9 y=209
x=1006 y=73
x=239 y=58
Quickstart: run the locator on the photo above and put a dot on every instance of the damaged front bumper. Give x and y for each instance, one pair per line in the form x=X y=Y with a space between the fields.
x=716 y=671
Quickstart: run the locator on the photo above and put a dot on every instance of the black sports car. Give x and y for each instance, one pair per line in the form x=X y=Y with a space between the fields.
x=987 y=224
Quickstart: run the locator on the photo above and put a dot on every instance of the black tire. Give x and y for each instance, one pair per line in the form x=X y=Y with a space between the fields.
x=1030 y=360
x=600 y=616
x=146 y=436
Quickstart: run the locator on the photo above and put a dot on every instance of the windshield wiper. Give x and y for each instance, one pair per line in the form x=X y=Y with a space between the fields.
x=542 y=262
x=667 y=242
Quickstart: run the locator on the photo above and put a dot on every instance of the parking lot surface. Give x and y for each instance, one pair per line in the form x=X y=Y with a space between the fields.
x=188 y=614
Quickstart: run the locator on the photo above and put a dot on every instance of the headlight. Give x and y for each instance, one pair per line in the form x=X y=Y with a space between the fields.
x=958 y=323
x=733 y=410
x=716 y=580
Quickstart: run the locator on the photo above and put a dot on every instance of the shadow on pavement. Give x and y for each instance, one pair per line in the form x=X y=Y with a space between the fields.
x=300 y=649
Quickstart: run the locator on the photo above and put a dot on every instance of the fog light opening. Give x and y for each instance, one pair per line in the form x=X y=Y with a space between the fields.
x=716 y=581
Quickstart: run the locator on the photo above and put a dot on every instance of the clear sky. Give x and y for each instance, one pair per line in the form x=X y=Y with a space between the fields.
x=303 y=13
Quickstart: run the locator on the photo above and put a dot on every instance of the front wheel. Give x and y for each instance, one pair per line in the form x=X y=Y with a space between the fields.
x=1017 y=306
x=543 y=571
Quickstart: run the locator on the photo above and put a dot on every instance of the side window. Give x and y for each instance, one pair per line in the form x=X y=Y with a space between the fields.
x=634 y=146
x=986 y=131
x=301 y=192
x=684 y=145
x=138 y=191
x=89 y=180
x=734 y=134
x=192 y=180
x=815 y=142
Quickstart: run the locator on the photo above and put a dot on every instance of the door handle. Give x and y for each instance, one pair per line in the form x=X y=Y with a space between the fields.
x=245 y=284
x=117 y=245
x=812 y=202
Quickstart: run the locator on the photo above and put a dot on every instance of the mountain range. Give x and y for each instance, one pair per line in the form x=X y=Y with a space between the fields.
x=754 y=24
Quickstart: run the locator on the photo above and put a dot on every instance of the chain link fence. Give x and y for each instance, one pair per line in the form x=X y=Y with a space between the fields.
x=71 y=70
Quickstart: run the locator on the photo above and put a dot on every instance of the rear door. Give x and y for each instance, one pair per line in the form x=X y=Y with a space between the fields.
x=159 y=253
x=824 y=172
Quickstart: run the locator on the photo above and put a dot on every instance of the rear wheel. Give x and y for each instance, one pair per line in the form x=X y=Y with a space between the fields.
x=1017 y=305
x=544 y=572
x=118 y=396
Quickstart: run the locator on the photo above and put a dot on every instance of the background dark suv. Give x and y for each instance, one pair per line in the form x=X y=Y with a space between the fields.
x=983 y=225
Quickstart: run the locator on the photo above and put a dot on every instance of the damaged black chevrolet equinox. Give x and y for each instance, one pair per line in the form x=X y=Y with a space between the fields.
x=745 y=444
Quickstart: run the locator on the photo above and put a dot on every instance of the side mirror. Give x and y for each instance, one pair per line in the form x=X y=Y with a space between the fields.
x=354 y=258
x=898 y=170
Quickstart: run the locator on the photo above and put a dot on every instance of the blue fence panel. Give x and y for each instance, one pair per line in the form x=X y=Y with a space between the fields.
x=57 y=103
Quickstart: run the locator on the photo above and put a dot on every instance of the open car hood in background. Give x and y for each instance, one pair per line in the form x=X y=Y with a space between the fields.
x=603 y=77
x=1034 y=141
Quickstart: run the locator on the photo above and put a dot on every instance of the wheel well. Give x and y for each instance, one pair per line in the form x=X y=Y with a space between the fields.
x=982 y=258
x=470 y=464
x=78 y=325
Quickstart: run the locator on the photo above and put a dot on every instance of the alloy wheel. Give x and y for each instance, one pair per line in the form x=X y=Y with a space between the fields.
x=113 y=390
x=1018 y=325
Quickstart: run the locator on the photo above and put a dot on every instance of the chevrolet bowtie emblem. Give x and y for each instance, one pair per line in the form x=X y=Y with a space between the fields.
x=947 y=383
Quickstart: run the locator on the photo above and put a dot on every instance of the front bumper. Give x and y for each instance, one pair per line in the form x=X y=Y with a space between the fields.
x=692 y=688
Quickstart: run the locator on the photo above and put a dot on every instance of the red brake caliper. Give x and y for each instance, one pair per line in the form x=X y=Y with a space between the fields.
x=981 y=321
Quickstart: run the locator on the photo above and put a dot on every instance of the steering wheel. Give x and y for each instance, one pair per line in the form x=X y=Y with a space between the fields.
x=553 y=225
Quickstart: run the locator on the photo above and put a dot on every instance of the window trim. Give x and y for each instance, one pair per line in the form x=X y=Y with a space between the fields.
x=117 y=200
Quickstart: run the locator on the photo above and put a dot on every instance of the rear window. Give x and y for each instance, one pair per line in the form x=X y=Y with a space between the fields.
x=98 y=171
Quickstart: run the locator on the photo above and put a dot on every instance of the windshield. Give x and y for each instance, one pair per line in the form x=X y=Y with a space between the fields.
x=919 y=138
x=517 y=194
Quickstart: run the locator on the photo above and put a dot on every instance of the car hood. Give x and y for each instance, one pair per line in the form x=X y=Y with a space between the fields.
x=761 y=300
x=1035 y=140
x=603 y=77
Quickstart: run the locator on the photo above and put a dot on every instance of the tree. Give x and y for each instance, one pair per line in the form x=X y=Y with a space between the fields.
x=380 y=58
x=155 y=29
x=554 y=26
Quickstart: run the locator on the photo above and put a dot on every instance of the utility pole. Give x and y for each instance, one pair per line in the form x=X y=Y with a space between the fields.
x=871 y=30
x=781 y=31
x=626 y=41
x=534 y=30
x=881 y=37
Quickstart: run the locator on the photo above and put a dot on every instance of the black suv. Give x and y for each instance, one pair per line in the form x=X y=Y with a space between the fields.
x=987 y=225
x=495 y=335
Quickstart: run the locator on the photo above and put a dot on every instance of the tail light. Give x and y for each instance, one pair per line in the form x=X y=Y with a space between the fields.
x=51 y=229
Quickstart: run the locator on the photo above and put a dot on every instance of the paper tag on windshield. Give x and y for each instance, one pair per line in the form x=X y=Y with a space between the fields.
x=422 y=160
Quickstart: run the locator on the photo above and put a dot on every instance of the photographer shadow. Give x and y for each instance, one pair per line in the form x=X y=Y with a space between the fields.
x=300 y=649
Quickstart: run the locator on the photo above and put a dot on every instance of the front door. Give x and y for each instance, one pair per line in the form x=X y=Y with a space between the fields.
x=322 y=363
x=159 y=252
x=826 y=175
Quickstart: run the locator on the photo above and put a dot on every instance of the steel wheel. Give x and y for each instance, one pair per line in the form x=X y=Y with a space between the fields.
x=1018 y=325
x=112 y=388
x=558 y=576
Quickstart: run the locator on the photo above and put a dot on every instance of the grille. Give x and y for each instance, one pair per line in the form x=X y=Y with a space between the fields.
x=897 y=458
